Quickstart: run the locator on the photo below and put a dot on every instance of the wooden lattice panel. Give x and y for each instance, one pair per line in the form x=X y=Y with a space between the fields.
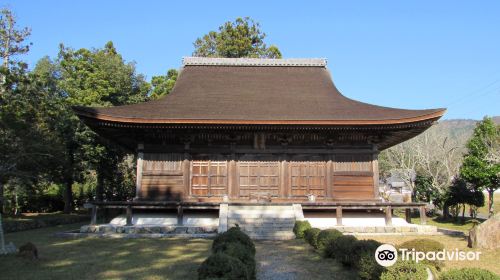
x=209 y=178
x=308 y=178
x=259 y=177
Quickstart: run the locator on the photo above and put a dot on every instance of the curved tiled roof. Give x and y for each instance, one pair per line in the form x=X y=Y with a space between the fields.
x=256 y=91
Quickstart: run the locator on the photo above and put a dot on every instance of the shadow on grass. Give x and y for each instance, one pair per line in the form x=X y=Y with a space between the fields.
x=99 y=258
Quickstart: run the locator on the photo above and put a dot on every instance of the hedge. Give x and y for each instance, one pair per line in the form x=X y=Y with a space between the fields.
x=405 y=270
x=233 y=257
x=425 y=245
x=300 y=227
x=234 y=234
x=468 y=274
x=327 y=235
x=341 y=249
x=222 y=266
x=311 y=236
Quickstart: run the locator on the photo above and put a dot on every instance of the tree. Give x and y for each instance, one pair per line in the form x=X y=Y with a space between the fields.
x=477 y=168
x=99 y=77
x=163 y=85
x=461 y=193
x=241 y=38
x=424 y=190
x=11 y=39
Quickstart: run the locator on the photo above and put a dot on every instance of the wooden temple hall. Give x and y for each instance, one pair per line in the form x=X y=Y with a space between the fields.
x=241 y=131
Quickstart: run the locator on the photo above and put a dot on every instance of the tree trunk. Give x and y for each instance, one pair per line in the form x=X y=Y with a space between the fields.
x=491 y=193
x=463 y=213
x=99 y=190
x=68 y=196
x=1 y=197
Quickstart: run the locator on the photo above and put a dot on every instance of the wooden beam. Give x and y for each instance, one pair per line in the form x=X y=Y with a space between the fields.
x=129 y=215
x=140 y=158
x=423 y=218
x=388 y=216
x=180 y=215
x=338 y=213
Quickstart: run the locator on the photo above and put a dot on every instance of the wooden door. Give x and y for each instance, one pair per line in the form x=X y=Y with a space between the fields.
x=209 y=178
x=307 y=177
x=259 y=178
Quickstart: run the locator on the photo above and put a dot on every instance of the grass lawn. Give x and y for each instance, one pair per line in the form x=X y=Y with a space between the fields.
x=96 y=258
x=496 y=204
x=448 y=224
x=488 y=259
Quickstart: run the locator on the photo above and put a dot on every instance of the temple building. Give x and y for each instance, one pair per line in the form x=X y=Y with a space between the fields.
x=256 y=131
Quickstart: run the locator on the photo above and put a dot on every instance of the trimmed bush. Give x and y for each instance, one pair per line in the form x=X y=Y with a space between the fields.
x=405 y=270
x=300 y=227
x=220 y=265
x=368 y=268
x=425 y=245
x=234 y=234
x=327 y=235
x=311 y=236
x=468 y=274
x=362 y=247
x=241 y=252
x=341 y=249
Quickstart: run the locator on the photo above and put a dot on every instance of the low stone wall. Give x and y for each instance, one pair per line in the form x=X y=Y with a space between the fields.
x=414 y=229
x=143 y=229
x=33 y=223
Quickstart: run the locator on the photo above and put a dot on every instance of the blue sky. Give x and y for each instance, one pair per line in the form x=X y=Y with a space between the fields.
x=407 y=54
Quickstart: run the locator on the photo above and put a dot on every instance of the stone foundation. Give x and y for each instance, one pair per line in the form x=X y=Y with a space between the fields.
x=143 y=229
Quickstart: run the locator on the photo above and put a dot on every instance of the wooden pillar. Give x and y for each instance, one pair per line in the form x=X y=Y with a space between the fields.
x=408 y=215
x=186 y=172
x=329 y=176
x=180 y=215
x=93 y=215
x=388 y=216
x=422 y=215
x=339 y=215
x=375 y=171
x=232 y=181
x=140 y=158
x=129 y=215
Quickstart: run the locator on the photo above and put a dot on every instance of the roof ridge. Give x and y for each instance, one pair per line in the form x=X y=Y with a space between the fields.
x=244 y=61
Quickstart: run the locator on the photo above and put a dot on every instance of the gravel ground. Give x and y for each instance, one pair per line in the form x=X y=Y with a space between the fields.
x=295 y=259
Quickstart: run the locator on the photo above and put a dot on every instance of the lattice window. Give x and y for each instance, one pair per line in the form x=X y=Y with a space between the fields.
x=209 y=178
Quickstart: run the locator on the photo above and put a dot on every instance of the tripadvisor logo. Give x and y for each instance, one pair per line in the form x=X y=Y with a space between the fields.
x=386 y=255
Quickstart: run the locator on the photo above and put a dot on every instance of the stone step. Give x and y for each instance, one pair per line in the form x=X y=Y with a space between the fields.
x=273 y=236
x=259 y=207
x=258 y=228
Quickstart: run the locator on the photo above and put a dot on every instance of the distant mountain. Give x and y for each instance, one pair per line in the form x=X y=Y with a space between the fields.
x=460 y=128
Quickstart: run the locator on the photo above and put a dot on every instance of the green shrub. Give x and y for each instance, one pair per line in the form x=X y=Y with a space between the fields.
x=368 y=268
x=468 y=274
x=311 y=236
x=326 y=235
x=234 y=234
x=341 y=249
x=300 y=227
x=222 y=266
x=362 y=247
x=425 y=245
x=405 y=270
x=241 y=252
